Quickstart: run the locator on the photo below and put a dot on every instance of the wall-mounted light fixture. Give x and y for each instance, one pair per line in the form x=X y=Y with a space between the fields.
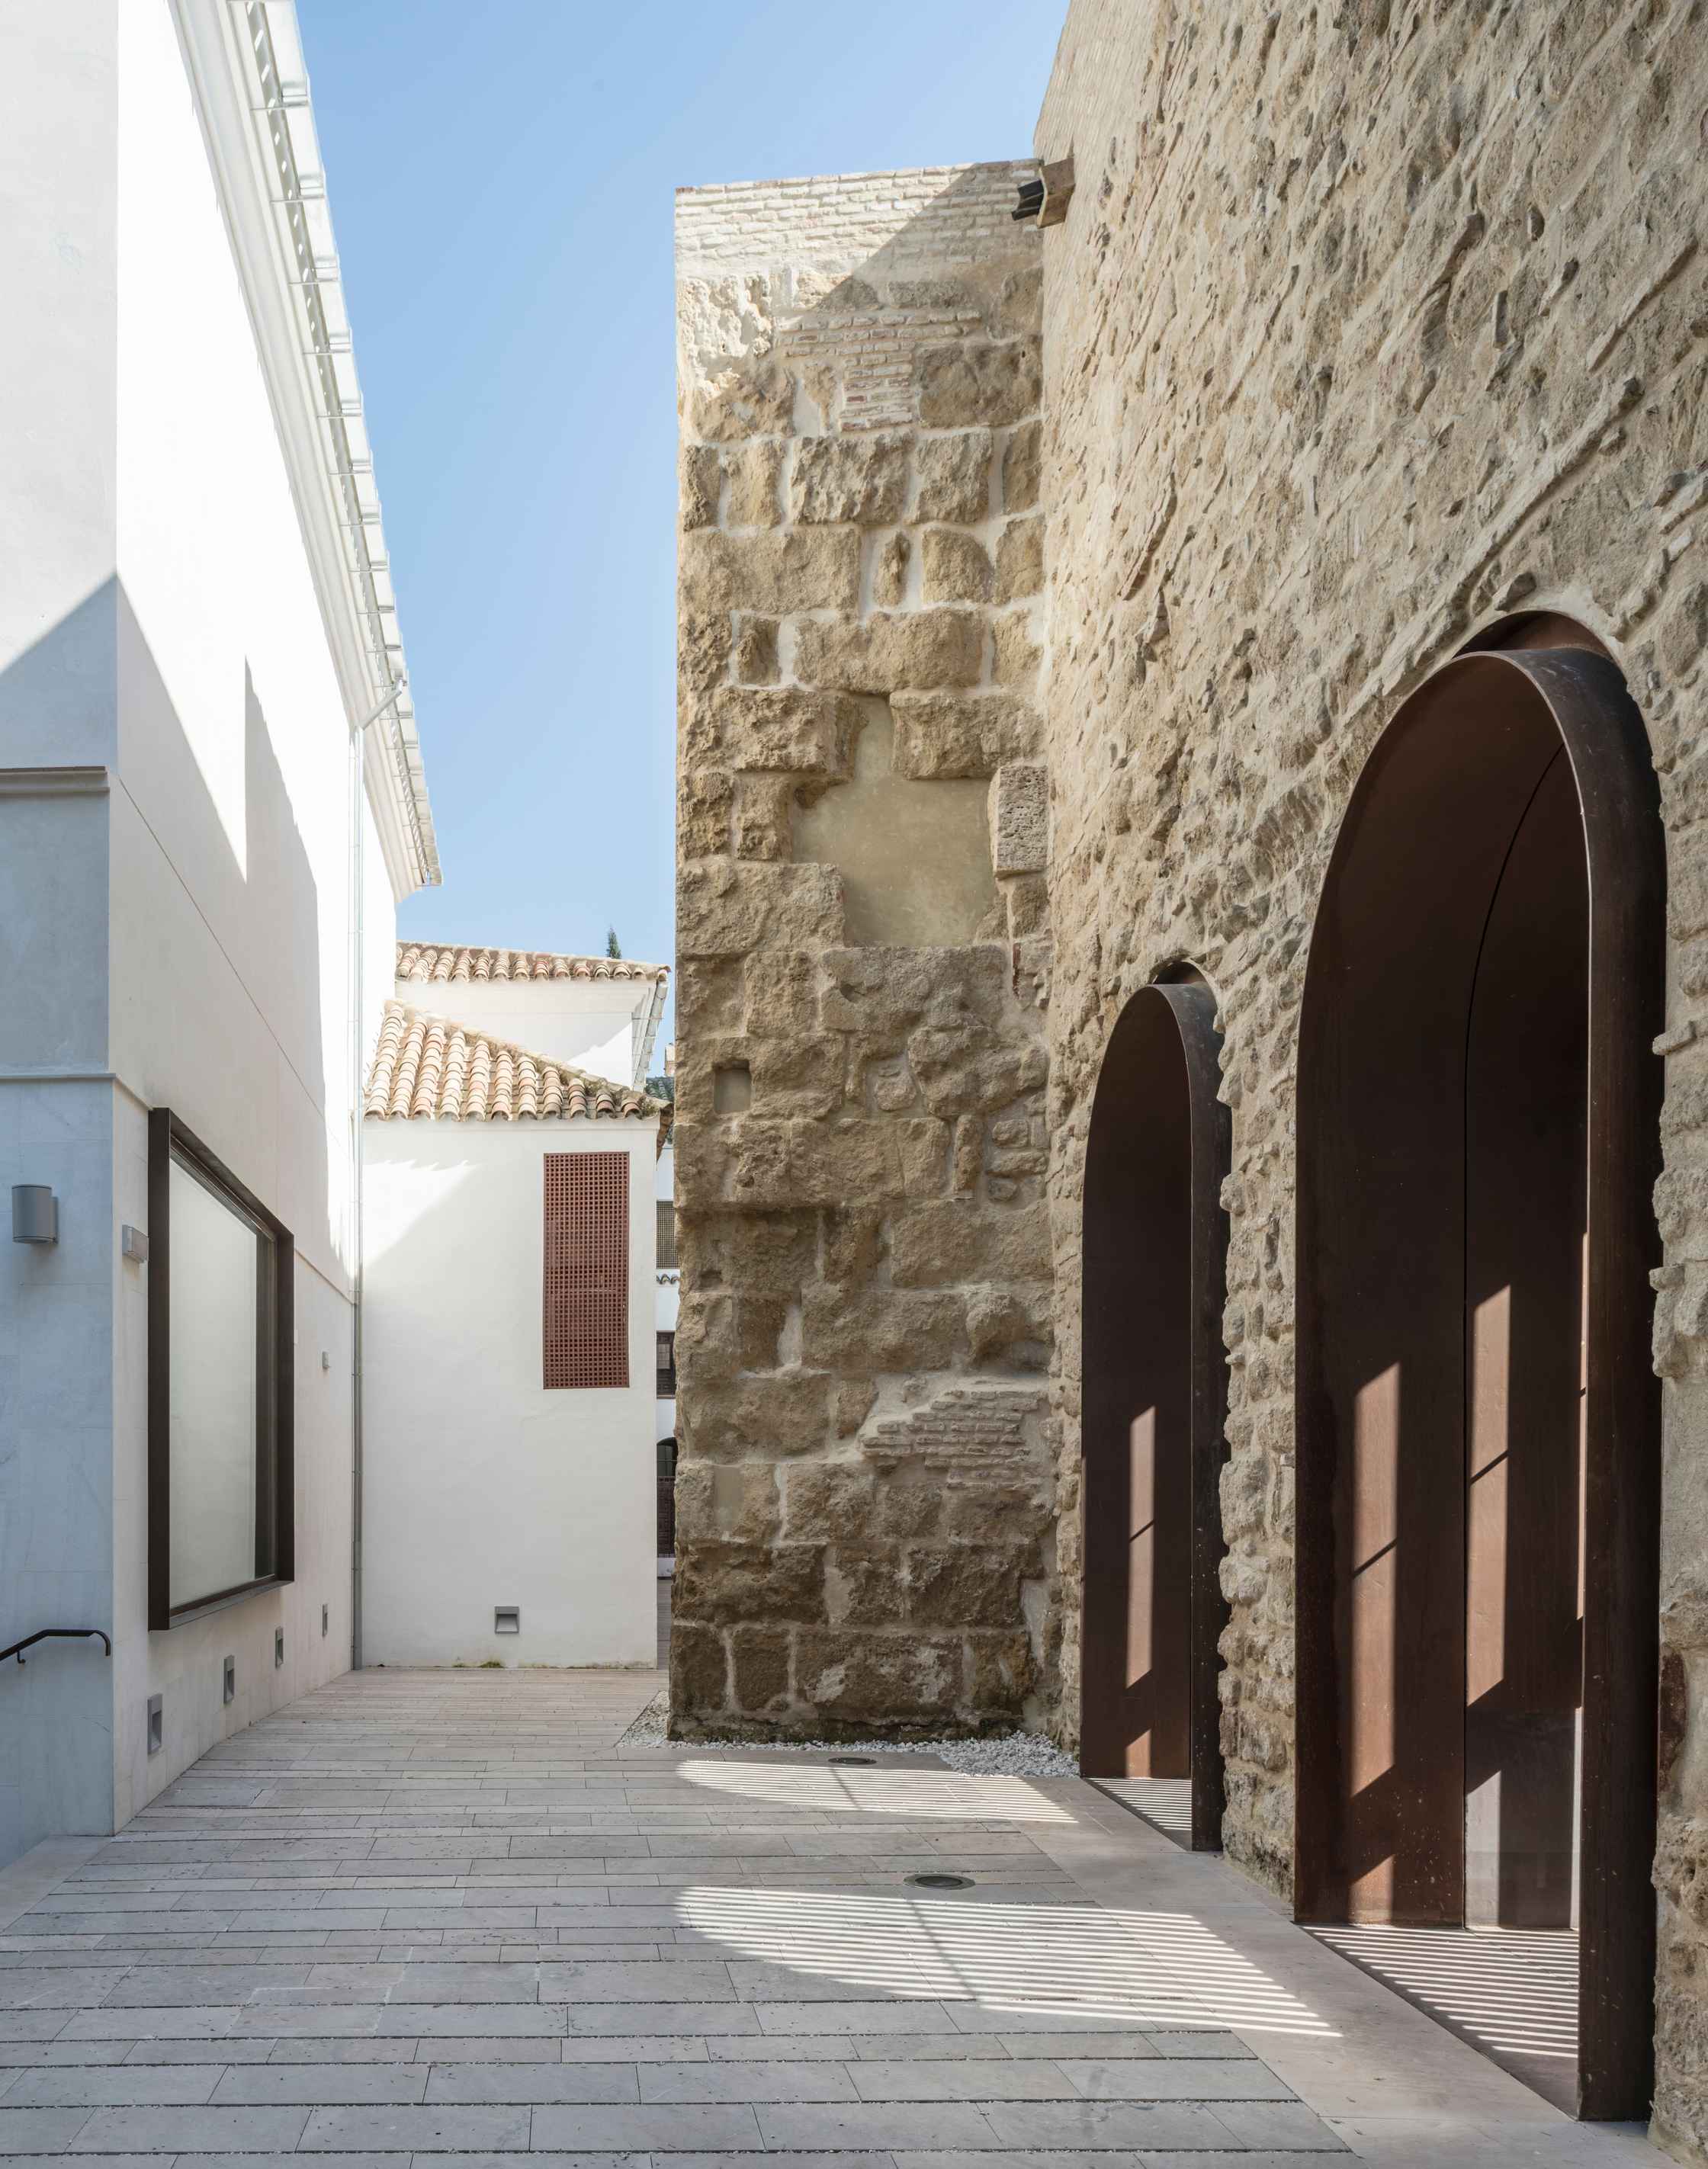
x=1045 y=202
x=134 y=1245
x=34 y=1214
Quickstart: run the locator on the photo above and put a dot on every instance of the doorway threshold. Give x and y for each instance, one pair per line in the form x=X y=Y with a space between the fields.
x=1164 y=1803
x=1509 y=1993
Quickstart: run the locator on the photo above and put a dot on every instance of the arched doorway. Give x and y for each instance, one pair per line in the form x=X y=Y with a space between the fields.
x=1477 y=1415
x=1155 y=1400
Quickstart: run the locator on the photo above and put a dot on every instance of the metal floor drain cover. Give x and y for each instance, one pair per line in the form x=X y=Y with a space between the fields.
x=942 y=1882
x=853 y=1761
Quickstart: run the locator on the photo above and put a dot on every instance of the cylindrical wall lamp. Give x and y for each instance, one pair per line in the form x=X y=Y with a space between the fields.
x=34 y=1214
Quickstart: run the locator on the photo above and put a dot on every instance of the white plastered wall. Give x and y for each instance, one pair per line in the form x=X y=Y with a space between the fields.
x=591 y=1025
x=482 y=1488
x=174 y=921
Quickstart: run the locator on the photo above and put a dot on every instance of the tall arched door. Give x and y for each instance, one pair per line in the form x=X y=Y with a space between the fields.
x=1155 y=1400
x=1478 y=1418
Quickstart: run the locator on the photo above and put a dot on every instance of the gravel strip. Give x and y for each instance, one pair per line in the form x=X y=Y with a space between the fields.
x=1020 y=1754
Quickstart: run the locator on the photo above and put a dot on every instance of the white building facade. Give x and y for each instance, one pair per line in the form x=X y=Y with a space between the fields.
x=205 y=829
x=509 y=1335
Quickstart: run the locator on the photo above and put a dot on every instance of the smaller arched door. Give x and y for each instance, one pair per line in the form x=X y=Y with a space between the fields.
x=1153 y=1400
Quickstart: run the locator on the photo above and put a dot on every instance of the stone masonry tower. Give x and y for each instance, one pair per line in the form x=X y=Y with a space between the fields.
x=865 y=1506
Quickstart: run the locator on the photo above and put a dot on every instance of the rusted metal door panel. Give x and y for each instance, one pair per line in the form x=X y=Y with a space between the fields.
x=1526 y=1160
x=1155 y=1401
x=1478 y=1138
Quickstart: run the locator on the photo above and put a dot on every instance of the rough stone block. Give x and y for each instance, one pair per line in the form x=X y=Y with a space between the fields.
x=957 y=570
x=950 y=1243
x=726 y=1584
x=889 y=571
x=1019 y=561
x=1015 y=655
x=964 y=1588
x=861 y=478
x=1002 y=1672
x=725 y=910
x=830 y=1503
x=864 y=1329
x=783 y=726
x=848 y=1161
x=1020 y=819
x=943 y=735
x=756 y=471
x=882 y=995
x=754 y=659
x=864 y=1677
x=700 y=482
x=774 y=573
x=1022 y=458
x=760 y=820
x=977 y=383
x=887 y=652
x=769 y=1414
x=953 y=478
x=760 y=1665
x=757 y=401
x=699 y=1668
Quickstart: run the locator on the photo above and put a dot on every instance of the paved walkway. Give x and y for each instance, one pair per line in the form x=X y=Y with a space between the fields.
x=443 y=1914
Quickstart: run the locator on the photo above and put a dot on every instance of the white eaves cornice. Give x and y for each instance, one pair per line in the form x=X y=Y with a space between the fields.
x=244 y=59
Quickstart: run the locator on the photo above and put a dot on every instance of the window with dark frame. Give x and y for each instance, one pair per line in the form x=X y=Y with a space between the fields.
x=667 y=1235
x=667 y=1366
x=584 y=1336
x=221 y=1328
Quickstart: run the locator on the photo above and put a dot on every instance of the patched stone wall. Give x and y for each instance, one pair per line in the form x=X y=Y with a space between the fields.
x=866 y=1523
x=1366 y=327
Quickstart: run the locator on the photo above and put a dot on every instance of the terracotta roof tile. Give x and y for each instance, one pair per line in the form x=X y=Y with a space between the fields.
x=419 y=961
x=430 y=1068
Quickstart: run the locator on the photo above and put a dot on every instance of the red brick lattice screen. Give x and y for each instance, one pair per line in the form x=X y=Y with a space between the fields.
x=586 y=1338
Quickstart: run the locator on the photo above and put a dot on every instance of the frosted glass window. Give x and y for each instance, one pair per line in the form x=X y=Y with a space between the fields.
x=220 y=1446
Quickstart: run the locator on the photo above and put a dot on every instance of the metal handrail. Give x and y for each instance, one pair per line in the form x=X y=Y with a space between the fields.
x=48 y=1633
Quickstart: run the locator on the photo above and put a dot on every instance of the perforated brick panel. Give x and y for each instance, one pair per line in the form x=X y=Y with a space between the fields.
x=586 y=1336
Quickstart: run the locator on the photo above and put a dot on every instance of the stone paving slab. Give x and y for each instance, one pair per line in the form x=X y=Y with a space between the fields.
x=441 y=1919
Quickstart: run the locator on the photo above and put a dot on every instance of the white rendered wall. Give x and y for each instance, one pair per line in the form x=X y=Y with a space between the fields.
x=231 y=872
x=58 y=190
x=482 y=1488
x=178 y=935
x=589 y=1024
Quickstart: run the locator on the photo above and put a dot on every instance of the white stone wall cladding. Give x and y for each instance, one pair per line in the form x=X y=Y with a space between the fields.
x=1364 y=330
x=864 y=1496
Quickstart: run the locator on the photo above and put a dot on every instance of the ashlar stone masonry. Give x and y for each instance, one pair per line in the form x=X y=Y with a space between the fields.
x=865 y=1497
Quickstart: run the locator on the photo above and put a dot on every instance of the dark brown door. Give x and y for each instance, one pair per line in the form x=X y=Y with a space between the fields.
x=1155 y=1400
x=1477 y=1417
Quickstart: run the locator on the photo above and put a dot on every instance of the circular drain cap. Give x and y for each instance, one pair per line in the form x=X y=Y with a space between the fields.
x=942 y=1882
x=853 y=1761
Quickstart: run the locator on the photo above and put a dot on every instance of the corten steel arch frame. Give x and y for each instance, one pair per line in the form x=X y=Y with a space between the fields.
x=1155 y=1254
x=1440 y=801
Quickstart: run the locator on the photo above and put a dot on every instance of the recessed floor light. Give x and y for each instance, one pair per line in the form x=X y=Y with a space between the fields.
x=853 y=1761
x=942 y=1882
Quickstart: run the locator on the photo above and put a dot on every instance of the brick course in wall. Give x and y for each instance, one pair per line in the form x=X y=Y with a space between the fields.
x=865 y=1492
x=1366 y=327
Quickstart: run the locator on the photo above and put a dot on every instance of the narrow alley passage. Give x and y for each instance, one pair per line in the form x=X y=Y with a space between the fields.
x=450 y=1915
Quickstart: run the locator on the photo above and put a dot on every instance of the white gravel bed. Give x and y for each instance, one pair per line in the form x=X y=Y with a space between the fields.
x=1020 y=1755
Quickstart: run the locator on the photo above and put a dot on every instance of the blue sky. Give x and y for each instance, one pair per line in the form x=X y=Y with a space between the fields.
x=501 y=179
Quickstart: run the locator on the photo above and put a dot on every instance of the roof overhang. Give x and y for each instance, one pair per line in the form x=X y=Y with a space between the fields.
x=244 y=59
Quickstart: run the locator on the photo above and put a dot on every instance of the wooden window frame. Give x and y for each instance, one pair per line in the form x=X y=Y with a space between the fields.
x=275 y=1491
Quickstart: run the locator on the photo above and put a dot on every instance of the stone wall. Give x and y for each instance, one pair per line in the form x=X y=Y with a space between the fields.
x=1367 y=326
x=865 y=1507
